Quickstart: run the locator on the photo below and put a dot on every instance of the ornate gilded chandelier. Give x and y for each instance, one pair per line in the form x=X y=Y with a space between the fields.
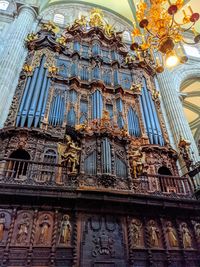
x=159 y=33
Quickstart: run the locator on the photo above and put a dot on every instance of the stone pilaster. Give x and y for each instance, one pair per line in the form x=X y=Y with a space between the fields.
x=13 y=57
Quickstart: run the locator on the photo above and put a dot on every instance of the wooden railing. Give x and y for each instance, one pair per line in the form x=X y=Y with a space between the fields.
x=31 y=173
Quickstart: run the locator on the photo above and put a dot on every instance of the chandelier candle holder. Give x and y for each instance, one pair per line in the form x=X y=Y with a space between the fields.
x=159 y=33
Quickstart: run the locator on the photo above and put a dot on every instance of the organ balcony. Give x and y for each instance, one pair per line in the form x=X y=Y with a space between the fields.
x=15 y=173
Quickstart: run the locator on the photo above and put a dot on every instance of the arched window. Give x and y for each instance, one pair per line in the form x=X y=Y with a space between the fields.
x=18 y=165
x=166 y=184
x=59 y=18
x=4 y=5
x=164 y=171
x=50 y=156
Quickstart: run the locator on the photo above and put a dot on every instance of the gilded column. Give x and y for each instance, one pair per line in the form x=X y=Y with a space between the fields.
x=13 y=57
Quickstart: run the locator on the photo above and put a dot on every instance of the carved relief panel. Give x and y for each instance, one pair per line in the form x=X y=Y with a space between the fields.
x=102 y=242
x=22 y=229
x=136 y=233
x=5 y=221
x=44 y=227
x=154 y=234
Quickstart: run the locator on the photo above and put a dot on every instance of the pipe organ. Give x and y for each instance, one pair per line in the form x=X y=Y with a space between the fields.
x=88 y=175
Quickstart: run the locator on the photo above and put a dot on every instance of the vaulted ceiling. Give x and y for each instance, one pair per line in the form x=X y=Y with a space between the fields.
x=125 y=9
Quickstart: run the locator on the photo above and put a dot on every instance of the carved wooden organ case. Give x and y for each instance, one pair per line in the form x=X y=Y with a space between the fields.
x=86 y=118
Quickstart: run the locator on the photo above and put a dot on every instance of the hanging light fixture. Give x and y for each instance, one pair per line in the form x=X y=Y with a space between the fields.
x=159 y=32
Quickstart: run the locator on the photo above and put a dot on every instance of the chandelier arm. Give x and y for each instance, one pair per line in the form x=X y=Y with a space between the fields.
x=150 y=32
x=185 y=30
x=172 y=22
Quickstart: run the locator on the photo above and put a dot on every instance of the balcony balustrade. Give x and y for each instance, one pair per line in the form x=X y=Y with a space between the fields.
x=47 y=175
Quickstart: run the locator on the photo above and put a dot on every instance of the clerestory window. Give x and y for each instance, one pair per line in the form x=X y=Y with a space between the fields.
x=59 y=18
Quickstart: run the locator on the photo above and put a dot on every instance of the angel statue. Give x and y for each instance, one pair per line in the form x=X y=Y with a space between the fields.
x=109 y=29
x=68 y=153
x=82 y=22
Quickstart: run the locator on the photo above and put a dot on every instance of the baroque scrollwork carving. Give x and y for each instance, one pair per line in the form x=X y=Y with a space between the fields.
x=107 y=180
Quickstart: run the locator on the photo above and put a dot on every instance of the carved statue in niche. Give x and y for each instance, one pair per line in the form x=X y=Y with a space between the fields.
x=137 y=158
x=44 y=230
x=2 y=225
x=171 y=235
x=154 y=234
x=135 y=233
x=23 y=227
x=68 y=153
x=66 y=231
x=103 y=245
x=186 y=236
x=197 y=231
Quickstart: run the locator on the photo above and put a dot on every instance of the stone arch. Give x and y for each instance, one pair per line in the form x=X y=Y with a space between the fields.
x=185 y=72
x=190 y=74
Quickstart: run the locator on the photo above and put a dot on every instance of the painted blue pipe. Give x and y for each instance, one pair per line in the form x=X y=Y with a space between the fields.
x=25 y=93
x=41 y=99
x=29 y=97
x=36 y=93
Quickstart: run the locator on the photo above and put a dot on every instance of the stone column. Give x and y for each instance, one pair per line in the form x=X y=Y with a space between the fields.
x=13 y=57
x=174 y=111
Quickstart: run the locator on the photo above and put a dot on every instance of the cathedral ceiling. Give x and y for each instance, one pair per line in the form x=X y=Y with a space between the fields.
x=123 y=8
